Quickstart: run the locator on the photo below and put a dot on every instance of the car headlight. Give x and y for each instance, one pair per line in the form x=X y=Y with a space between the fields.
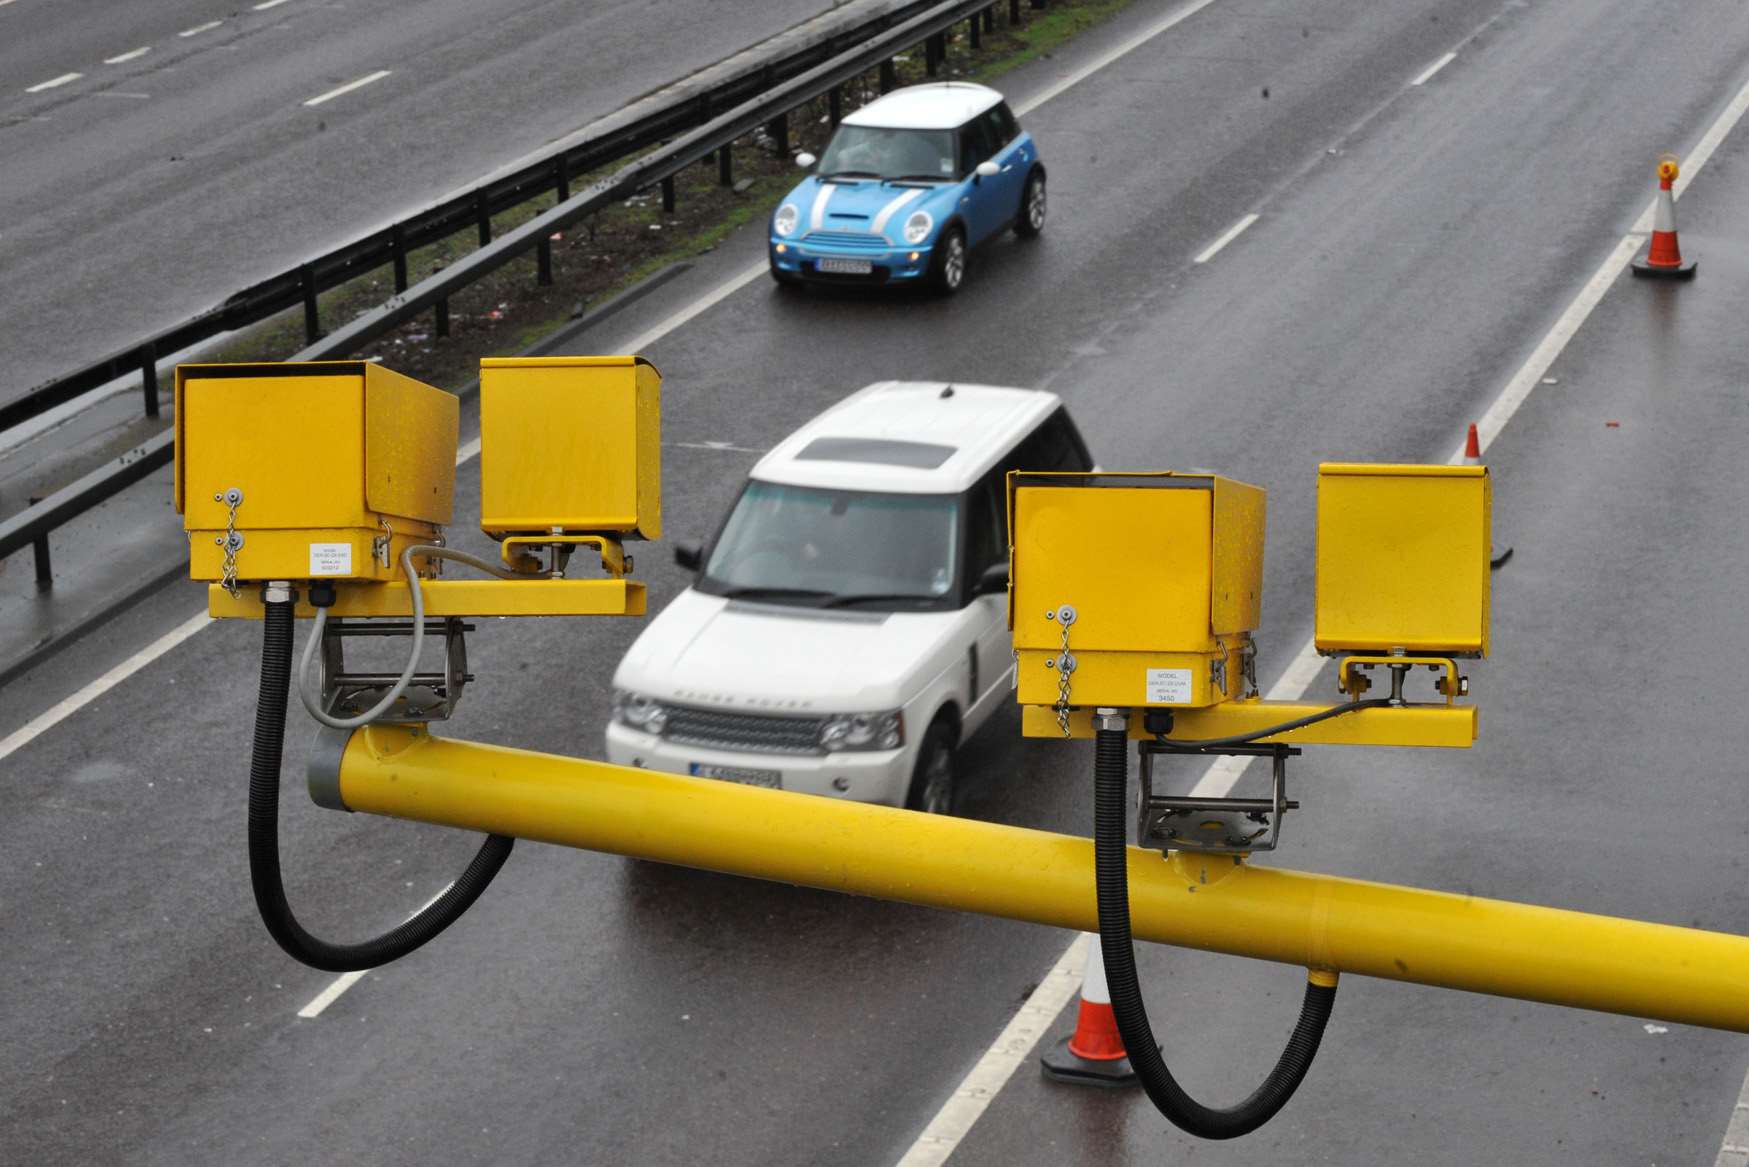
x=918 y=226
x=784 y=221
x=639 y=711
x=863 y=731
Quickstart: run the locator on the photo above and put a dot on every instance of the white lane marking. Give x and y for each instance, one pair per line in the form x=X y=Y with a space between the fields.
x=112 y=93
x=266 y=4
x=1427 y=73
x=55 y=714
x=349 y=87
x=345 y=981
x=131 y=54
x=54 y=81
x=1110 y=56
x=1232 y=233
x=200 y=28
x=720 y=446
x=1225 y=773
x=708 y=301
x=1013 y=1046
x=4 y=3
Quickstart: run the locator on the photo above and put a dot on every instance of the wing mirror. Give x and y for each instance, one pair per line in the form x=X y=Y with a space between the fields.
x=993 y=581
x=806 y=160
x=987 y=170
x=689 y=556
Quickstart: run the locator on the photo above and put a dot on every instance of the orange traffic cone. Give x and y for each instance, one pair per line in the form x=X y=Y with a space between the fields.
x=1093 y=1055
x=1473 y=457
x=1664 y=257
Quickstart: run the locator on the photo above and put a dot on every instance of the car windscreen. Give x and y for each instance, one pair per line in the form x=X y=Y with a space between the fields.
x=837 y=548
x=871 y=151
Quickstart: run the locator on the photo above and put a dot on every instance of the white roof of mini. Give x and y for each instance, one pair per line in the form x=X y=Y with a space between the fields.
x=939 y=106
x=978 y=423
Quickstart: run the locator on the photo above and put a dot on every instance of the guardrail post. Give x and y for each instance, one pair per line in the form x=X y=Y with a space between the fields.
x=149 y=377
x=443 y=317
x=889 y=76
x=398 y=241
x=312 y=321
x=562 y=177
x=834 y=106
x=668 y=195
x=1013 y=12
x=934 y=49
x=543 y=262
x=1038 y=3
x=779 y=131
x=725 y=165
x=45 y=578
x=973 y=27
x=989 y=15
x=483 y=217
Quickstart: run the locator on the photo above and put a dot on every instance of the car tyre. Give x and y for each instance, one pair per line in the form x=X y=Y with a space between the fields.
x=933 y=779
x=947 y=270
x=1031 y=219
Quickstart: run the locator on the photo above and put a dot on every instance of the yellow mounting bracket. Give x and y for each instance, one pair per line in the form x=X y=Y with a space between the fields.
x=614 y=559
x=1451 y=686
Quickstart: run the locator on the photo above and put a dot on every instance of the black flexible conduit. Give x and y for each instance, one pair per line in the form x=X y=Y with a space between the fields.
x=1245 y=739
x=1111 y=773
x=276 y=913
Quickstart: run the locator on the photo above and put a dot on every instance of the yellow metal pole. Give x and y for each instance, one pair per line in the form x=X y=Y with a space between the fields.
x=1320 y=922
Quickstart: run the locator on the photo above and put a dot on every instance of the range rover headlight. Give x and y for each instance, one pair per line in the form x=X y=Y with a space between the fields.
x=639 y=711
x=784 y=222
x=918 y=226
x=863 y=731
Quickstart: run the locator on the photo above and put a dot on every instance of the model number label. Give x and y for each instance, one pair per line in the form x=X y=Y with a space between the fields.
x=1168 y=686
x=330 y=559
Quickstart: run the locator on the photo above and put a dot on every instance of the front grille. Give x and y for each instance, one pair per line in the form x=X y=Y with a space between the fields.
x=847 y=241
x=743 y=731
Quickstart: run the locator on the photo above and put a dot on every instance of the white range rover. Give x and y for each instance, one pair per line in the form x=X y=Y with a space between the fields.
x=847 y=626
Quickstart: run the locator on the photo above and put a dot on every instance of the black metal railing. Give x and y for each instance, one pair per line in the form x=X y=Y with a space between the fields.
x=690 y=133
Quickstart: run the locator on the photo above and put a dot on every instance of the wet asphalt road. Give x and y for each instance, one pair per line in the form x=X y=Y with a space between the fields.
x=1413 y=246
x=147 y=190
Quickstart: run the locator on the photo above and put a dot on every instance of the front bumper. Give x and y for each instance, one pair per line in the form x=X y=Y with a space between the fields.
x=801 y=259
x=882 y=776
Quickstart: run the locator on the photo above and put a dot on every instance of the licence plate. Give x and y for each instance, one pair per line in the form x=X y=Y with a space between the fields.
x=846 y=267
x=771 y=778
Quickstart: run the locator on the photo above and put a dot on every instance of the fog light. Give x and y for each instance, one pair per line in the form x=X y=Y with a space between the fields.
x=782 y=247
x=841 y=784
x=915 y=256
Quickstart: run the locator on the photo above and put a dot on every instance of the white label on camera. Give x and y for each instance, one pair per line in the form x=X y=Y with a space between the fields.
x=336 y=559
x=1168 y=686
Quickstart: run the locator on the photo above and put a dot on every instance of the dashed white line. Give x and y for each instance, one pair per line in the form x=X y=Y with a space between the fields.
x=349 y=87
x=117 y=93
x=53 y=82
x=200 y=28
x=131 y=54
x=1427 y=73
x=1232 y=233
x=266 y=4
x=4 y=3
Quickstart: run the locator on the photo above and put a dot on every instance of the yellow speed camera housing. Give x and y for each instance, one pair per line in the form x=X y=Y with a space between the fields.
x=1162 y=578
x=325 y=470
x=1403 y=557
x=570 y=446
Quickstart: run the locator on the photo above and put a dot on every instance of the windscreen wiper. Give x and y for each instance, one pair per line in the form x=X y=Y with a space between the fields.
x=848 y=174
x=750 y=592
x=872 y=597
x=919 y=178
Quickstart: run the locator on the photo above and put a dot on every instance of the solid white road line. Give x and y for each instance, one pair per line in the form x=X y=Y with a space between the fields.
x=345 y=981
x=58 y=712
x=1014 y=1046
x=1427 y=73
x=706 y=302
x=266 y=4
x=128 y=56
x=200 y=28
x=54 y=81
x=1232 y=233
x=1111 y=56
x=4 y=3
x=349 y=87
x=1225 y=773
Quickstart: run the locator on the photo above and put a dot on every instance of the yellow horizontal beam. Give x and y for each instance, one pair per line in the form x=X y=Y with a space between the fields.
x=1407 y=725
x=1213 y=902
x=457 y=597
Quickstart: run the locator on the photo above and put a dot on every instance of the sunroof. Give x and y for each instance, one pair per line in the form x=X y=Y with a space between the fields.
x=884 y=451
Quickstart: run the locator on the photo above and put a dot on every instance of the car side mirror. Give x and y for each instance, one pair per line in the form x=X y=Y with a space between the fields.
x=689 y=556
x=805 y=160
x=993 y=581
x=988 y=170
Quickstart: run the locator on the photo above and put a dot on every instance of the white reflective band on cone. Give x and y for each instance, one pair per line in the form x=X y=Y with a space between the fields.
x=1093 y=989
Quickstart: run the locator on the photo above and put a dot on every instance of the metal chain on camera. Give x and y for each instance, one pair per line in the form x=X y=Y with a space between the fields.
x=1065 y=664
x=231 y=540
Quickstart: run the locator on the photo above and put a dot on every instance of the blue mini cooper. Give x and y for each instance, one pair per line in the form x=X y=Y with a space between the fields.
x=907 y=186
